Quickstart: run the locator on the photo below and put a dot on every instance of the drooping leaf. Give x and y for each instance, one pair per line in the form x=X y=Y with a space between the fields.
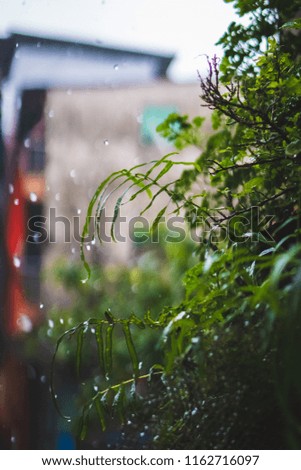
x=109 y=349
x=119 y=403
x=131 y=347
x=101 y=413
x=79 y=348
x=100 y=346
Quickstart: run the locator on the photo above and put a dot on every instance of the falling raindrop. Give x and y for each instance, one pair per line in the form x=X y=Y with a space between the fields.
x=17 y=45
x=73 y=250
x=93 y=241
x=95 y=388
x=140 y=365
x=51 y=114
x=51 y=323
x=69 y=92
x=27 y=143
x=106 y=142
x=73 y=173
x=16 y=202
x=93 y=331
x=79 y=211
x=41 y=306
x=43 y=379
x=13 y=439
x=142 y=434
x=17 y=261
x=116 y=67
x=38 y=44
x=33 y=197
x=10 y=188
x=88 y=247
x=57 y=197
x=25 y=323
x=36 y=237
x=61 y=321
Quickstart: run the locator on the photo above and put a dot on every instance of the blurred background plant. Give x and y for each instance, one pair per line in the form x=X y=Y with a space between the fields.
x=154 y=279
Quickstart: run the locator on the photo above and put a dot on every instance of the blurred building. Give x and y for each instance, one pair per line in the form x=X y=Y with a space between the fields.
x=29 y=68
x=71 y=114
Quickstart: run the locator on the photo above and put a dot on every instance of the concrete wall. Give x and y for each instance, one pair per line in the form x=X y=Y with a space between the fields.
x=91 y=133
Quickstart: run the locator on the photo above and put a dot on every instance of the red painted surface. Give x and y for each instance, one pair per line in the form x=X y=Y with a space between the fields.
x=21 y=312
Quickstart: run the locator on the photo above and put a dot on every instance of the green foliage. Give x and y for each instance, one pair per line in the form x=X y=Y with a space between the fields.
x=105 y=350
x=178 y=130
x=228 y=375
x=243 y=43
